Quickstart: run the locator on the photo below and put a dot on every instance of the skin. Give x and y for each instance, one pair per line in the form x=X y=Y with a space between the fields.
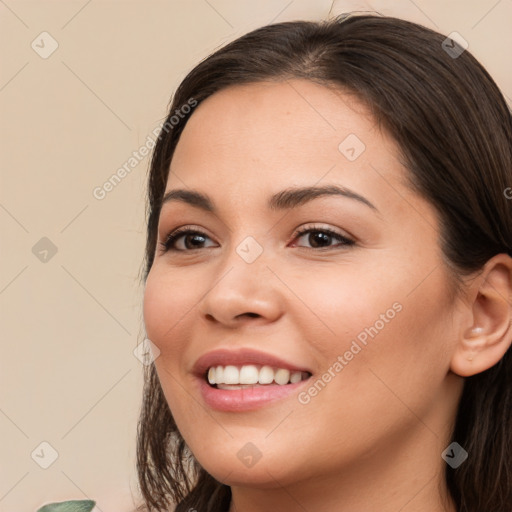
x=372 y=438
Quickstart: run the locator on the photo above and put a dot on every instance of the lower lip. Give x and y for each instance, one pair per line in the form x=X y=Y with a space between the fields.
x=246 y=399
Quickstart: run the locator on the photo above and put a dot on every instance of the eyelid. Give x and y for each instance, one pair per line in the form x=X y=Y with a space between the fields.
x=346 y=240
x=322 y=227
x=177 y=233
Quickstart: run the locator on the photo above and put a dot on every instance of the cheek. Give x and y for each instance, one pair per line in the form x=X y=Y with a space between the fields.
x=156 y=303
x=408 y=346
x=166 y=308
x=391 y=341
x=345 y=306
x=381 y=323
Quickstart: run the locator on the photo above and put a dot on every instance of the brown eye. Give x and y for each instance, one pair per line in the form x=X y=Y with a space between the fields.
x=322 y=238
x=192 y=239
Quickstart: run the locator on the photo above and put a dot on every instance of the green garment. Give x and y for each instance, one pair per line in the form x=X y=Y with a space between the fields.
x=69 y=506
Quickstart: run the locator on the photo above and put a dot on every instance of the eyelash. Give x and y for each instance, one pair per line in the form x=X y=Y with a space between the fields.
x=172 y=237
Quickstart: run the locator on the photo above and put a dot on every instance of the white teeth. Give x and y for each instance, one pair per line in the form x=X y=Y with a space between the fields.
x=233 y=377
x=295 y=377
x=266 y=375
x=233 y=386
x=282 y=376
x=219 y=375
x=249 y=375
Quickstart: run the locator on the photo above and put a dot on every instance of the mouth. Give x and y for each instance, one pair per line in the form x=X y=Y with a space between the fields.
x=246 y=379
x=231 y=377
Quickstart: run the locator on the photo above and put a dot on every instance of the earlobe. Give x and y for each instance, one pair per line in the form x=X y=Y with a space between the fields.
x=486 y=339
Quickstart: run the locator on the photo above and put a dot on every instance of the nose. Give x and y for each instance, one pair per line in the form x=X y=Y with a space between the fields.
x=243 y=292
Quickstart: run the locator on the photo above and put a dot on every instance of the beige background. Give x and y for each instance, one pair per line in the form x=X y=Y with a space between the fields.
x=70 y=321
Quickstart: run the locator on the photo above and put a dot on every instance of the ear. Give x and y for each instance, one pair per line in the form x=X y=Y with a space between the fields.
x=487 y=332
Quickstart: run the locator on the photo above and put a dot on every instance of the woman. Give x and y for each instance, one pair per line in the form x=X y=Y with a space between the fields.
x=328 y=278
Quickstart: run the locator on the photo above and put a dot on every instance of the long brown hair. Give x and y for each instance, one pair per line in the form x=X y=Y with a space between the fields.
x=454 y=129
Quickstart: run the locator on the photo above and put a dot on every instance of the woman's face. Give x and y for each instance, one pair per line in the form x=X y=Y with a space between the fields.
x=357 y=312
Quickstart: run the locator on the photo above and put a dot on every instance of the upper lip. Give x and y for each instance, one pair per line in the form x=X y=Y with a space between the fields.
x=224 y=357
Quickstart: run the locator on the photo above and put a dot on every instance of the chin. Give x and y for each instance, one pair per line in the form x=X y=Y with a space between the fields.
x=258 y=476
x=244 y=467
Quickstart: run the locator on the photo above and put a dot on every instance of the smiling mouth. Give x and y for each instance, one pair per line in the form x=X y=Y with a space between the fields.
x=232 y=377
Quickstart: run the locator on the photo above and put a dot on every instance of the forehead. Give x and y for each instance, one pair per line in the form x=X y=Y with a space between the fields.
x=281 y=114
x=272 y=135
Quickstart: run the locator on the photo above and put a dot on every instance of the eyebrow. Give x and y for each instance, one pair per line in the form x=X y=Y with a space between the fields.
x=283 y=200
